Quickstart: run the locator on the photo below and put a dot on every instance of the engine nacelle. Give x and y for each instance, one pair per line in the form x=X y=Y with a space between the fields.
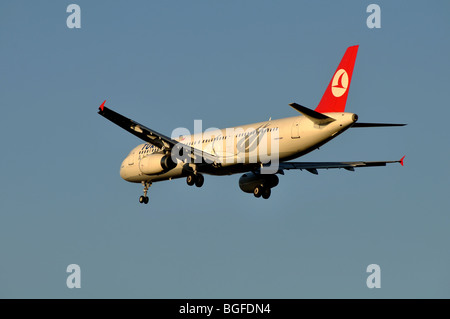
x=156 y=164
x=249 y=181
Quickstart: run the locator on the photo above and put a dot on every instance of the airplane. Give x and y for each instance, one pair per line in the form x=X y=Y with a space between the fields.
x=229 y=151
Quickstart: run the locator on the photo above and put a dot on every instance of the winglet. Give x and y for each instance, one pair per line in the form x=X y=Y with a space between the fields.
x=102 y=105
x=401 y=160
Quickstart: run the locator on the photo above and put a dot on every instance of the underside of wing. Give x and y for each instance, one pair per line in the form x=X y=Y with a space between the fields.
x=144 y=133
x=312 y=167
x=151 y=136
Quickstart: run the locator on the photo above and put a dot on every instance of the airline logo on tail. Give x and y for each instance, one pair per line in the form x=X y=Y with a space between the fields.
x=335 y=96
x=339 y=83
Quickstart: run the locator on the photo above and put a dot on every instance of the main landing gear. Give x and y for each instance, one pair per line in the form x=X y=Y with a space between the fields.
x=262 y=191
x=196 y=179
x=144 y=199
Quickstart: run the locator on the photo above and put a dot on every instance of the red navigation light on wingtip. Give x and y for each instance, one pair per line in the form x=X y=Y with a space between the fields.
x=101 y=106
x=401 y=160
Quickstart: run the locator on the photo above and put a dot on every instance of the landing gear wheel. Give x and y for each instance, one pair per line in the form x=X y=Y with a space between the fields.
x=190 y=179
x=266 y=193
x=143 y=200
x=199 y=180
x=257 y=191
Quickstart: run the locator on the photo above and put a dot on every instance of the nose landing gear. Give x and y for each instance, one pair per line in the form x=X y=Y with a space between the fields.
x=144 y=199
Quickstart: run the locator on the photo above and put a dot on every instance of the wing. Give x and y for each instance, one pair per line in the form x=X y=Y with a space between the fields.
x=312 y=167
x=151 y=136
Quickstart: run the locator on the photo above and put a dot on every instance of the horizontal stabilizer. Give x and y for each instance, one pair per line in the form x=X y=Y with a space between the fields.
x=376 y=124
x=316 y=117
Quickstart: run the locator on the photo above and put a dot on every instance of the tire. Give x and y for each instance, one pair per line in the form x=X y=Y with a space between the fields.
x=199 y=180
x=266 y=193
x=190 y=179
x=145 y=200
x=257 y=191
x=141 y=199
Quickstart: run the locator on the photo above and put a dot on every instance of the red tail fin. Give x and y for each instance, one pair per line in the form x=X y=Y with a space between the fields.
x=335 y=96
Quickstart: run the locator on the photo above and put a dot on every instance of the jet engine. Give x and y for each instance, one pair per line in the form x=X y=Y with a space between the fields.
x=258 y=184
x=156 y=164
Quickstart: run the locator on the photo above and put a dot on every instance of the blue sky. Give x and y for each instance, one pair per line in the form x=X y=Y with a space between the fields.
x=227 y=63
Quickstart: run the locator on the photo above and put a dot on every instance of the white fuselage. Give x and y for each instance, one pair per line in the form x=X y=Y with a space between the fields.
x=244 y=148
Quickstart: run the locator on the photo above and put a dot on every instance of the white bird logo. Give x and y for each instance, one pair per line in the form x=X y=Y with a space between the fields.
x=340 y=83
